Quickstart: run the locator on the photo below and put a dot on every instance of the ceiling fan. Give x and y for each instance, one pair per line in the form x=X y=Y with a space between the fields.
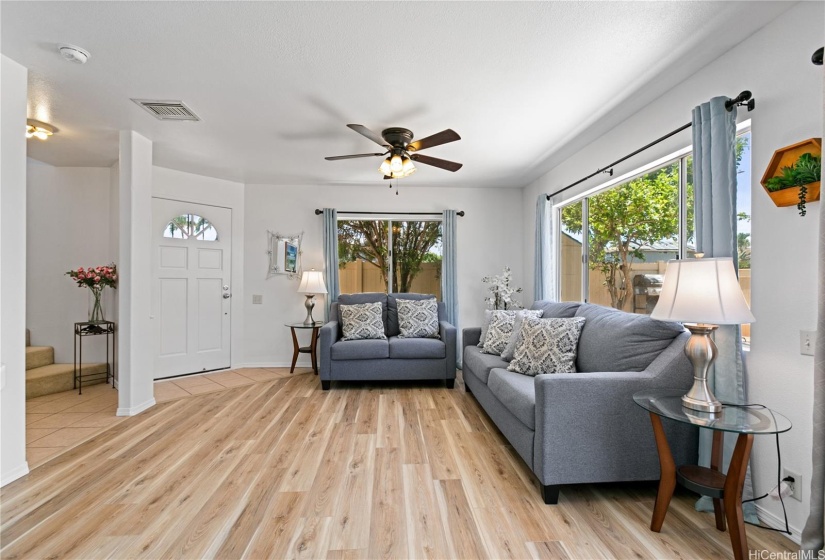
x=401 y=151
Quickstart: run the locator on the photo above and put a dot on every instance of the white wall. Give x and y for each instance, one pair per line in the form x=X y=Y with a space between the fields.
x=488 y=239
x=13 y=90
x=775 y=65
x=68 y=211
x=188 y=187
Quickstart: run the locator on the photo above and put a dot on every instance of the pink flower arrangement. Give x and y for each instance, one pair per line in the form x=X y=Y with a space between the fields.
x=95 y=278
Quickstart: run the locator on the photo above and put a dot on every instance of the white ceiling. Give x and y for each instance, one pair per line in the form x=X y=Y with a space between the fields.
x=276 y=82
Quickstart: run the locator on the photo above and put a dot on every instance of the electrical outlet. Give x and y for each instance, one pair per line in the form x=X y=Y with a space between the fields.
x=796 y=485
x=257 y=299
x=807 y=342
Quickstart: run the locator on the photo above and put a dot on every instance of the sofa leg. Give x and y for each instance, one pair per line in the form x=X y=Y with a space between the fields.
x=325 y=385
x=550 y=494
x=467 y=388
x=450 y=383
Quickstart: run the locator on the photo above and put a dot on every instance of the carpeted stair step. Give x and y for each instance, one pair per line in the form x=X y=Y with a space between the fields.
x=56 y=378
x=39 y=356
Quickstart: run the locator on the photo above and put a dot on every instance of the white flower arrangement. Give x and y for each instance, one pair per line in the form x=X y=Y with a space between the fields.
x=501 y=294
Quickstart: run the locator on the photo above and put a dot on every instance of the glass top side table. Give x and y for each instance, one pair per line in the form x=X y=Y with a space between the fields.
x=313 y=344
x=724 y=489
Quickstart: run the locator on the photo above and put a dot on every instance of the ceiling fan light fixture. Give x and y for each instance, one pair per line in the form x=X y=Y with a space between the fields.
x=385 y=167
x=407 y=167
x=38 y=129
x=396 y=164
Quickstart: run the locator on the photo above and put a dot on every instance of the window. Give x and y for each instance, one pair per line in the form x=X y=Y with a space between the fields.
x=190 y=226
x=615 y=243
x=389 y=256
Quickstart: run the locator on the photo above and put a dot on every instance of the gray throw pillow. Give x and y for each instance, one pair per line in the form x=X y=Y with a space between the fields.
x=417 y=318
x=510 y=349
x=547 y=346
x=485 y=324
x=362 y=321
x=501 y=328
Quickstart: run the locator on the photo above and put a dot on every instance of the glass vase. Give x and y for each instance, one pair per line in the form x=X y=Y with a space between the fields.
x=96 y=305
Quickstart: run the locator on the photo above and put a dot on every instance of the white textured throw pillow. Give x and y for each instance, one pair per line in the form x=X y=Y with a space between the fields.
x=362 y=321
x=501 y=328
x=418 y=318
x=485 y=324
x=547 y=346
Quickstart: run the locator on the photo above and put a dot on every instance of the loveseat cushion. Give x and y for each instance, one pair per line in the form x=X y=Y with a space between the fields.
x=517 y=393
x=556 y=309
x=373 y=349
x=613 y=340
x=366 y=297
x=481 y=363
x=392 y=310
x=417 y=348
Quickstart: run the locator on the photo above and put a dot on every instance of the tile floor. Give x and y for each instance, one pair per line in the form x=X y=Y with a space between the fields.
x=58 y=422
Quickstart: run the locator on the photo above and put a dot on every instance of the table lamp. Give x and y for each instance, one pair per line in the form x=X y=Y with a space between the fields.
x=702 y=294
x=312 y=282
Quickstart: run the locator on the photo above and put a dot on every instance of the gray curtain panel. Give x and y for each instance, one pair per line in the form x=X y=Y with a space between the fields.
x=330 y=241
x=544 y=278
x=449 y=273
x=813 y=535
x=714 y=177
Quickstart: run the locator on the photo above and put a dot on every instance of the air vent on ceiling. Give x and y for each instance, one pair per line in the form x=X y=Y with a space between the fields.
x=168 y=110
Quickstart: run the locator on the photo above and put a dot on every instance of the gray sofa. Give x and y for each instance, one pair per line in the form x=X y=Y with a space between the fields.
x=392 y=359
x=584 y=427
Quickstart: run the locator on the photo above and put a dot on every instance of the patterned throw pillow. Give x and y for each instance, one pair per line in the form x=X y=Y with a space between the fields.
x=547 y=346
x=510 y=349
x=485 y=324
x=501 y=328
x=362 y=320
x=418 y=318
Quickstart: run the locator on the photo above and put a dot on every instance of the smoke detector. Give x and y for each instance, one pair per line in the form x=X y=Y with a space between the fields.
x=73 y=53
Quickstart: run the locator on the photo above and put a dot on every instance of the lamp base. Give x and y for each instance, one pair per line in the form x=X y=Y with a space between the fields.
x=309 y=304
x=701 y=351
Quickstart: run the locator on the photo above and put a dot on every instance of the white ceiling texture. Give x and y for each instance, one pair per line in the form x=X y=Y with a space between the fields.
x=275 y=83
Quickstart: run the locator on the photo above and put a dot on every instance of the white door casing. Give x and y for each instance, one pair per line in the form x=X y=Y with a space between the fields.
x=191 y=291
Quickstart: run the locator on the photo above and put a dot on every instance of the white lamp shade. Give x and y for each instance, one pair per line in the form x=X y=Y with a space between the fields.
x=312 y=282
x=702 y=291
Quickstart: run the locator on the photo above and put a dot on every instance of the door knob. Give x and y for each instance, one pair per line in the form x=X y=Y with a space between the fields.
x=227 y=296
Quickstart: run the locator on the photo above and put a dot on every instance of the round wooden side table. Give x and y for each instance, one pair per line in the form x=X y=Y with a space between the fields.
x=311 y=349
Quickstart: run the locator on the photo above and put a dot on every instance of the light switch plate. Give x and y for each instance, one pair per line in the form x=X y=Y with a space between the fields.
x=807 y=342
x=257 y=299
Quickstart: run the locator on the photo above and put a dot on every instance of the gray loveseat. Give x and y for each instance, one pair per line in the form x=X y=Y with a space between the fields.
x=584 y=427
x=392 y=359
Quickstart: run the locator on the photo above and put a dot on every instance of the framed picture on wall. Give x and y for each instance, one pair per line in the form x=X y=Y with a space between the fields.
x=290 y=257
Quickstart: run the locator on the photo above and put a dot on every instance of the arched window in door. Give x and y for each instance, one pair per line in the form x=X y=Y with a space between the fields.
x=190 y=226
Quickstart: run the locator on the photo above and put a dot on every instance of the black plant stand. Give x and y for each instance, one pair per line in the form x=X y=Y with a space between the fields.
x=82 y=330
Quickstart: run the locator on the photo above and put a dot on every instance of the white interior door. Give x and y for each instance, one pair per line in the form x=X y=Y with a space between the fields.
x=191 y=287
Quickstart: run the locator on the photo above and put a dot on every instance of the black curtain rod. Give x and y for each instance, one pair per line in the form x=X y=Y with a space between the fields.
x=743 y=98
x=318 y=212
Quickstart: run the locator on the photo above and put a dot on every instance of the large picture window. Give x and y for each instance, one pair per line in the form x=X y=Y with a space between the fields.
x=615 y=242
x=390 y=256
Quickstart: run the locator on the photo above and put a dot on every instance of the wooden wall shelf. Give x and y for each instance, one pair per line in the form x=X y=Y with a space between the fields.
x=785 y=157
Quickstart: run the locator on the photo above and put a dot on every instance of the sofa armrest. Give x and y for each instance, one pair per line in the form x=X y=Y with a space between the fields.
x=328 y=337
x=470 y=336
x=448 y=335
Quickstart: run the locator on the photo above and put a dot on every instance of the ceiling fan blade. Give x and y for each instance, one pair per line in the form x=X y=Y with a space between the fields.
x=364 y=131
x=436 y=162
x=443 y=137
x=353 y=156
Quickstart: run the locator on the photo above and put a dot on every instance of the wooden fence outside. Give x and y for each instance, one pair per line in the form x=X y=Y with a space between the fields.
x=361 y=276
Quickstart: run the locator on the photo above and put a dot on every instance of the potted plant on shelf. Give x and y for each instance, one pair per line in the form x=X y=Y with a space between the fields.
x=96 y=279
x=793 y=176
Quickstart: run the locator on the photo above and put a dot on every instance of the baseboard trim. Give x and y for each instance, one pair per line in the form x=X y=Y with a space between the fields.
x=135 y=409
x=772 y=520
x=16 y=473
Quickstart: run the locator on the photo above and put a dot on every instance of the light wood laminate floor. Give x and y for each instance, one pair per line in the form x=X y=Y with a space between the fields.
x=281 y=469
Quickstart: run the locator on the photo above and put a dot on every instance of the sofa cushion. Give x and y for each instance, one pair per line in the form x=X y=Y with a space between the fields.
x=547 y=346
x=392 y=309
x=373 y=349
x=417 y=318
x=366 y=297
x=362 y=321
x=517 y=393
x=556 y=309
x=480 y=363
x=415 y=348
x=613 y=340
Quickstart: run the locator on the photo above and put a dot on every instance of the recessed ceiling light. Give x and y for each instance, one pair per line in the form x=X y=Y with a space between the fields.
x=39 y=129
x=73 y=53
